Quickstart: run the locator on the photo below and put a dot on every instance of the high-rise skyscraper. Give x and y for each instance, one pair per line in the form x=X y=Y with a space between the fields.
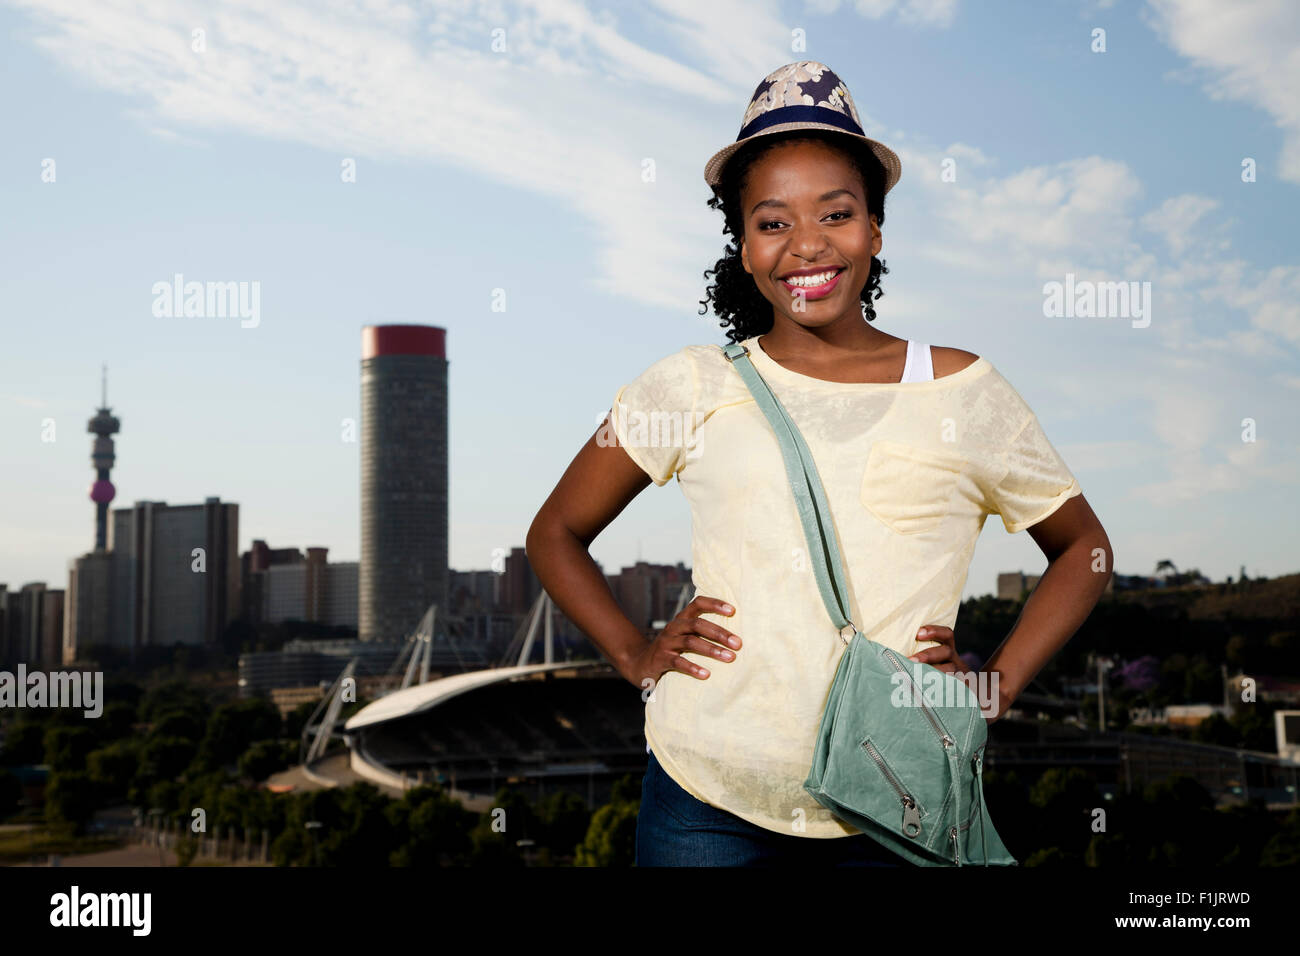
x=403 y=478
x=175 y=573
x=31 y=625
x=283 y=584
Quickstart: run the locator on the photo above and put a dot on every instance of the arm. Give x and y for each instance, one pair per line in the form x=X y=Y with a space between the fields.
x=595 y=488
x=1064 y=597
x=598 y=484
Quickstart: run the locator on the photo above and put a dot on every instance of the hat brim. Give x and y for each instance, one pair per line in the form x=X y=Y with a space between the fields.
x=888 y=158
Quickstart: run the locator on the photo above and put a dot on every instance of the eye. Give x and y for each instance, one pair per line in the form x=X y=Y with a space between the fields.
x=846 y=213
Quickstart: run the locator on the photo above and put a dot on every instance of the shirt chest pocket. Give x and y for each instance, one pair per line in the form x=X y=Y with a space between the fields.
x=909 y=489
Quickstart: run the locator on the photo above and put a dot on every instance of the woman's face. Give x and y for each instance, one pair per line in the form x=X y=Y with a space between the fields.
x=805 y=211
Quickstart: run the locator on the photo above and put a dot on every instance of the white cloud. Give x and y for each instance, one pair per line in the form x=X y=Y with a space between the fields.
x=926 y=13
x=567 y=112
x=1174 y=218
x=1078 y=204
x=1270 y=300
x=1248 y=51
x=1233 y=468
x=1080 y=216
x=972 y=155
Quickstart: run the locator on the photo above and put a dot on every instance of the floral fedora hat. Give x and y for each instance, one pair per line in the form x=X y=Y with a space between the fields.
x=802 y=95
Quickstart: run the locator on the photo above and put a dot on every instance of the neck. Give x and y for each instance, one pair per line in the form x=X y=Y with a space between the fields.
x=850 y=334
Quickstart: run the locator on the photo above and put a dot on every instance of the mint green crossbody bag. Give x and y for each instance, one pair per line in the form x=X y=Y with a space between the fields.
x=890 y=759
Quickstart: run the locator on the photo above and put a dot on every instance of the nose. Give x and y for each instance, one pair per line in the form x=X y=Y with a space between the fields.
x=809 y=241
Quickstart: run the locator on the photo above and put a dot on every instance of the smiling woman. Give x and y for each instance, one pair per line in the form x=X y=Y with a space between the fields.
x=741 y=297
x=737 y=684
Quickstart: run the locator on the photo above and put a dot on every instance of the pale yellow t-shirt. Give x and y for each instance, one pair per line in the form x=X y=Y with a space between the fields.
x=911 y=470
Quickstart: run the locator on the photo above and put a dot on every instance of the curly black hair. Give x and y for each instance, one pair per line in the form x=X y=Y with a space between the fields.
x=740 y=307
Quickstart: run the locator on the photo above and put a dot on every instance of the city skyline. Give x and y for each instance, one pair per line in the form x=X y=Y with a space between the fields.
x=565 y=256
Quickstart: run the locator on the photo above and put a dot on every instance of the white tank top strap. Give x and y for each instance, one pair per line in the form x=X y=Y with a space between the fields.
x=918 y=367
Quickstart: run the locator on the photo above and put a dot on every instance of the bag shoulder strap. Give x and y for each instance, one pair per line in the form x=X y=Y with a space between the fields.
x=809 y=495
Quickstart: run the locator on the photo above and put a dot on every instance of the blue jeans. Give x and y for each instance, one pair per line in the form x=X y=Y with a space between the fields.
x=675 y=829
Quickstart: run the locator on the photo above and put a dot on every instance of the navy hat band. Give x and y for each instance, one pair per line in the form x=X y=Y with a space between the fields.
x=800 y=114
x=801 y=95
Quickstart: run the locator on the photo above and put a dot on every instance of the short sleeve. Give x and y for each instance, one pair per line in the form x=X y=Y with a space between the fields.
x=1036 y=480
x=653 y=415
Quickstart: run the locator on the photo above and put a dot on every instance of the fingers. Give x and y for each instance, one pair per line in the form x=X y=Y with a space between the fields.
x=697 y=625
x=936 y=632
x=682 y=666
x=707 y=605
x=693 y=644
x=944 y=655
x=948 y=667
x=689 y=633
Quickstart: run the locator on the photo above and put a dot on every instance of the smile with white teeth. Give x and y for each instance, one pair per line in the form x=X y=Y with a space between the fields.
x=812 y=281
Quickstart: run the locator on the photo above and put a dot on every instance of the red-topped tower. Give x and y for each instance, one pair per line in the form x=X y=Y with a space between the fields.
x=103 y=426
x=403 y=479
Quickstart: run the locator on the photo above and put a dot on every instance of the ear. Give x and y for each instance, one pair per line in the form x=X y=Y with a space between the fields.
x=877 y=240
x=744 y=256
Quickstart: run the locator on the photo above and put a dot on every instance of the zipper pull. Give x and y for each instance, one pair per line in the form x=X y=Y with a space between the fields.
x=952 y=834
x=911 y=818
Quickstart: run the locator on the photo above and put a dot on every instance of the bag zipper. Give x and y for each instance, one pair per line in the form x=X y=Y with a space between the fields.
x=948 y=739
x=911 y=816
x=954 y=830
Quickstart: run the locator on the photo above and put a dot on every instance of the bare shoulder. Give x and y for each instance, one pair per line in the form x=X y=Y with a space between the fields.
x=946 y=360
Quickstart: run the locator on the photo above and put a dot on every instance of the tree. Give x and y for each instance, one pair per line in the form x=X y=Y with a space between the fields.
x=493 y=848
x=117 y=722
x=1141 y=675
x=179 y=723
x=297 y=719
x=186 y=849
x=1064 y=801
x=1110 y=851
x=11 y=792
x=113 y=767
x=66 y=748
x=1236 y=651
x=1052 y=856
x=565 y=821
x=267 y=757
x=70 y=800
x=1215 y=729
x=233 y=727
x=164 y=758
x=1202 y=680
x=431 y=828
x=24 y=744
x=175 y=695
x=611 y=838
x=1284 y=848
x=626 y=788
x=363 y=836
x=1254 y=724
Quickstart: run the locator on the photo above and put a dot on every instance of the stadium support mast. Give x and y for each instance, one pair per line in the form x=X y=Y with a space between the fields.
x=540 y=612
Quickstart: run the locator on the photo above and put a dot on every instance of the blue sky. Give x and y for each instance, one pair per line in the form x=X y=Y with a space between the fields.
x=521 y=170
